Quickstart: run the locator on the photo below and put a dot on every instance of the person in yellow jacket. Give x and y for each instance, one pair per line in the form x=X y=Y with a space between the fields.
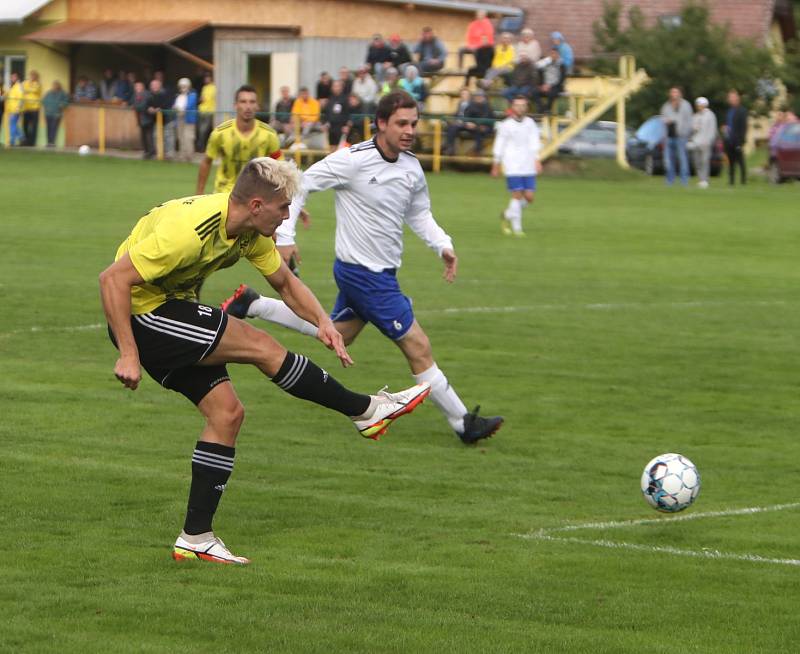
x=14 y=109
x=31 y=106
x=206 y=107
x=503 y=61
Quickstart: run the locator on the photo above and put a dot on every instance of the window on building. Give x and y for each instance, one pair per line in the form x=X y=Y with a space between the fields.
x=670 y=21
x=11 y=64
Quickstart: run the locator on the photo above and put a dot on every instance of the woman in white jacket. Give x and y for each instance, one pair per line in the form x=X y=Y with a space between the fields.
x=704 y=137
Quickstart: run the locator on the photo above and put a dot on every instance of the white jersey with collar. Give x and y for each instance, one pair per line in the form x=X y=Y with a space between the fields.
x=516 y=146
x=375 y=196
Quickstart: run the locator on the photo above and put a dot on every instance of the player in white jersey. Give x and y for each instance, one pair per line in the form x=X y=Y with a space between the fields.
x=516 y=149
x=380 y=186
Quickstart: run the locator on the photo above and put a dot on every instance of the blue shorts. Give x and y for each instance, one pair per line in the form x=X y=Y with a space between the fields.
x=371 y=297
x=521 y=183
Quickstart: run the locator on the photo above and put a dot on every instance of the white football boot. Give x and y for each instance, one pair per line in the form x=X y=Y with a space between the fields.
x=387 y=407
x=204 y=547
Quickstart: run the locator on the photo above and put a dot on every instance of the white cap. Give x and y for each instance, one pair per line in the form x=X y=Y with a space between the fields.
x=702 y=101
x=184 y=82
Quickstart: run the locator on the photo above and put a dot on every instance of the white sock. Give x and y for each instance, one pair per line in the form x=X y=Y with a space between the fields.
x=444 y=397
x=273 y=310
x=516 y=222
x=514 y=209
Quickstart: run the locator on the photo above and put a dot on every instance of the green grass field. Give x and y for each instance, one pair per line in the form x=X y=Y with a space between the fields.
x=633 y=320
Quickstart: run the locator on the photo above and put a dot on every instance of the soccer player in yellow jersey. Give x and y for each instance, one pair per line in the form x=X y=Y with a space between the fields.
x=150 y=300
x=237 y=141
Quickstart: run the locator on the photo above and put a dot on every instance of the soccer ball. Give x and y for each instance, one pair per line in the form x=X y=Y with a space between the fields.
x=670 y=483
x=84 y=150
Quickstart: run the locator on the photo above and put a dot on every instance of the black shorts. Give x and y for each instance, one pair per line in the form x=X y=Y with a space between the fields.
x=173 y=339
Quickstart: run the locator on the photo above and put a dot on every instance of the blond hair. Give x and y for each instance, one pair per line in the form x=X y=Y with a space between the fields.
x=266 y=176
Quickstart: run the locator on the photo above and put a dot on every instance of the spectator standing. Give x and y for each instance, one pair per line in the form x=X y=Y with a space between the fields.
x=158 y=100
x=185 y=107
x=414 y=85
x=366 y=89
x=336 y=114
x=473 y=119
x=503 y=60
x=735 y=136
x=324 y=88
x=378 y=56
x=85 y=90
x=282 y=118
x=347 y=79
x=391 y=83
x=107 y=85
x=522 y=80
x=565 y=50
x=306 y=111
x=13 y=108
x=430 y=51
x=677 y=116
x=144 y=118
x=206 y=107
x=554 y=76
x=54 y=102
x=31 y=107
x=704 y=137
x=480 y=36
x=399 y=56
x=529 y=46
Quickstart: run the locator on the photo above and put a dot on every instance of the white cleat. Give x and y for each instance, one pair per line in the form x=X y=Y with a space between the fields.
x=210 y=549
x=389 y=407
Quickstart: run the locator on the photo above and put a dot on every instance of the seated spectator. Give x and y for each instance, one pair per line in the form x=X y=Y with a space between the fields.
x=346 y=79
x=564 y=50
x=529 y=45
x=85 y=90
x=480 y=36
x=324 y=88
x=366 y=89
x=399 y=56
x=522 y=80
x=413 y=84
x=483 y=61
x=357 y=113
x=378 y=56
x=185 y=107
x=430 y=51
x=473 y=118
x=554 y=74
x=306 y=112
x=54 y=103
x=282 y=118
x=391 y=83
x=336 y=115
x=503 y=60
x=122 y=89
x=107 y=85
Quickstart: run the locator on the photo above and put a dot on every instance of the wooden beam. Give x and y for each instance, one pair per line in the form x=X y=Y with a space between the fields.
x=191 y=57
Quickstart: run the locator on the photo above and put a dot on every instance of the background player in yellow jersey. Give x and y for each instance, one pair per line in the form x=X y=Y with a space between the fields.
x=149 y=296
x=237 y=141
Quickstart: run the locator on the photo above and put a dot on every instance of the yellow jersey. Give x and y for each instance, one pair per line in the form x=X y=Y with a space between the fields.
x=31 y=95
x=235 y=149
x=178 y=244
x=208 y=98
x=14 y=99
x=503 y=56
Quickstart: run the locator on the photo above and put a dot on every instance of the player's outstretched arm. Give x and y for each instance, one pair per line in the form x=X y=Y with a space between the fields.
x=115 y=293
x=299 y=298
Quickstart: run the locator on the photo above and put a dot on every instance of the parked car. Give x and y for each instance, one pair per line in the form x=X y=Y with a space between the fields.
x=645 y=150
x=595 y=140
x=784 y=154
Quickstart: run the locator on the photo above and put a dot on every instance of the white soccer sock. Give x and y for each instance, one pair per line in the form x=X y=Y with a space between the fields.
x=273 y=310
x=514 y=209
x=516 y=223
x=444 y=397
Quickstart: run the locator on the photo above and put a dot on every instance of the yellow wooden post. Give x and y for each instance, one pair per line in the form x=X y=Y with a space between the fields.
x=4 y=128
x=159 y=135
x=101 y=130
x=298 y=159
x=367 y=128
x=437 y=145
x=622 y=159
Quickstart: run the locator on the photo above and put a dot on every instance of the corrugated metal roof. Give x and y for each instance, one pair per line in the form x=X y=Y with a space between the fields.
x=460 y=5
x=15 y=11
x=116 y=31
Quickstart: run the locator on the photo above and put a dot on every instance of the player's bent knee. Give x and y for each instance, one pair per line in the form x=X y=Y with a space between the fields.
x=228 y=418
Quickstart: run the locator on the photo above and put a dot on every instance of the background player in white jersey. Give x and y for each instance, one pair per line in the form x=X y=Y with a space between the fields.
x=380 y=186
x=516 y=148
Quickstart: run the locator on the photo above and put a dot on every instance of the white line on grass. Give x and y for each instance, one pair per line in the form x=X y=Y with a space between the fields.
x=610 y=306
x=660 y=549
